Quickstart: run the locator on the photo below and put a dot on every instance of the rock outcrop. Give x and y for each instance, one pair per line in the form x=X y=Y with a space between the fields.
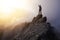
x=38 y=29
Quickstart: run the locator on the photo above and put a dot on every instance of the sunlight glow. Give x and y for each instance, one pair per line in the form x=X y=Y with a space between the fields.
x=12 y=10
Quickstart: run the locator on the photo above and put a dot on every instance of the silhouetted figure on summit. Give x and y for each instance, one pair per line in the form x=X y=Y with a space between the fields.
x=38 y=29
x=39 y=14
x=44 y=19
x=40 y=8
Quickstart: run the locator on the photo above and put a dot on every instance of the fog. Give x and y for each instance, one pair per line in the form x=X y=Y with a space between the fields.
x=51 y=9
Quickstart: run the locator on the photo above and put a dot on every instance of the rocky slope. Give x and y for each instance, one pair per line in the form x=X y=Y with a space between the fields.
x=38 y=29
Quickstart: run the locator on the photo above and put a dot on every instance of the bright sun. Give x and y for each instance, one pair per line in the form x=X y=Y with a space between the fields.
x=10 y=10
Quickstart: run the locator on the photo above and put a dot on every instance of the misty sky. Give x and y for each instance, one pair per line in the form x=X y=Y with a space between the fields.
x=51 y=9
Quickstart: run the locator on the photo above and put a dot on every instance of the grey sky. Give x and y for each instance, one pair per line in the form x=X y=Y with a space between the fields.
x=51 y=9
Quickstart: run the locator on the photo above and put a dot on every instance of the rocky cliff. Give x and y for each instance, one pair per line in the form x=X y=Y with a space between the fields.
x=38 y=29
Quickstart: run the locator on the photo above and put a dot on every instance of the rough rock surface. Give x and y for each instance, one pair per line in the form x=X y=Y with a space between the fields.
x=38 y=29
